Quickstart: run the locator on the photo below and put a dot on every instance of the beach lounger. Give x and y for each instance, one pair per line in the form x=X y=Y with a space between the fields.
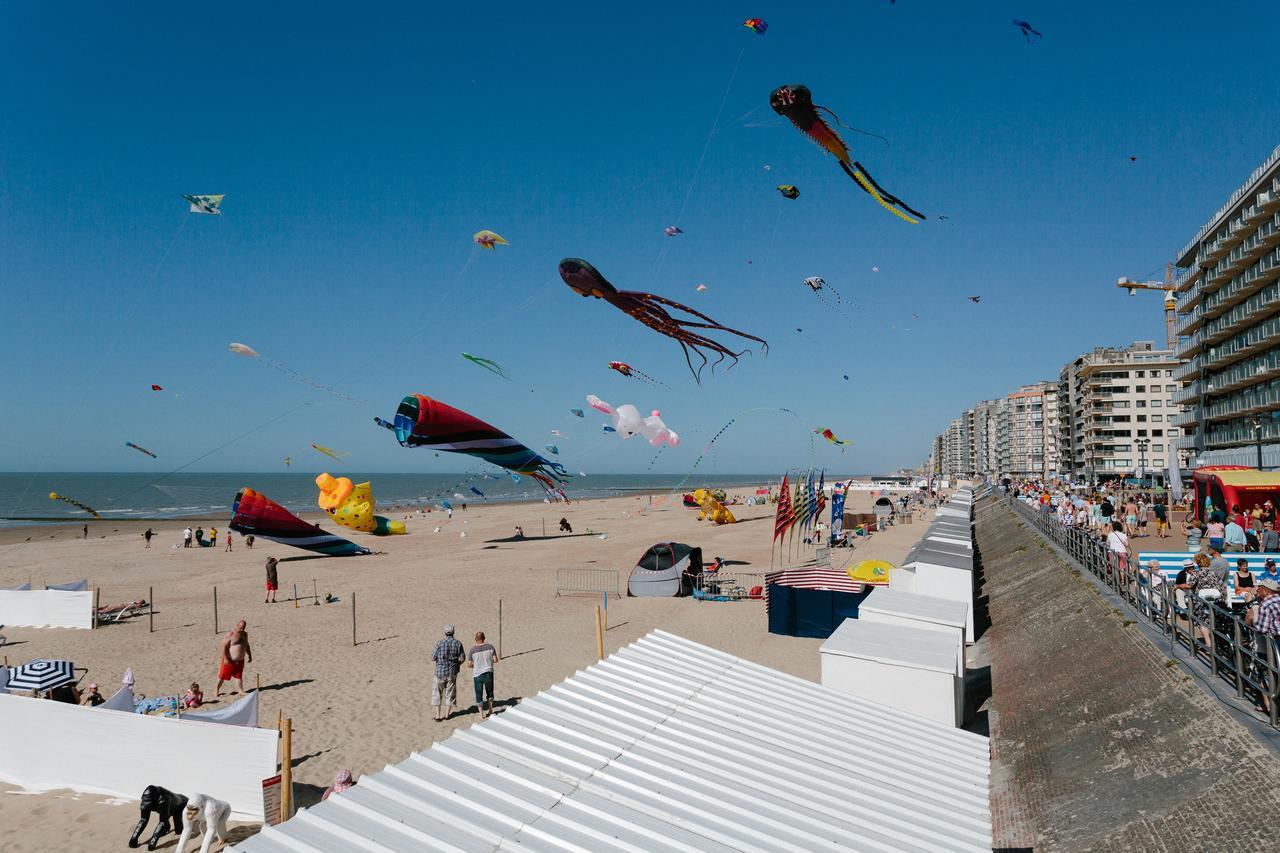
x=117 y=612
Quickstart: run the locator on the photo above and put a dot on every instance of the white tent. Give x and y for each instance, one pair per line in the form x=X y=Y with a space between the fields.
x=669 y=745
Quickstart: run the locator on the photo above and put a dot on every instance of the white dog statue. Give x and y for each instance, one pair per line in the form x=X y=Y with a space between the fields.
x=204 y=815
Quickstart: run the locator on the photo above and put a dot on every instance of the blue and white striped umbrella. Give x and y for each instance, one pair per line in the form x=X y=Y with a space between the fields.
x=42 y=675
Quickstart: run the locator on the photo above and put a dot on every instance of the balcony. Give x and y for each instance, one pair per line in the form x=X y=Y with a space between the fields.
x=1249 y=402
x=1269 y=200
x=1188 y=393
x=1181 y=419
x=1189 y=322
x=1188 y=369
x=1242 y=434
x=1190 y=345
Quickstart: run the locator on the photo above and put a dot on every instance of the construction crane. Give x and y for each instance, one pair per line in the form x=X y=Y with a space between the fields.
x=1170 y=301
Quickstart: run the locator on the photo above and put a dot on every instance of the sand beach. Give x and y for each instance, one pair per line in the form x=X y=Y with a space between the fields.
x=363 y=706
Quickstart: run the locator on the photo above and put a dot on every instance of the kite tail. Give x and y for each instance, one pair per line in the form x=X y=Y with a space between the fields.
x=888 y=195
x=862 y=182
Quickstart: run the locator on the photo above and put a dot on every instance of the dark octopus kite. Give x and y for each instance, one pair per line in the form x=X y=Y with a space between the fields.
x=795 y=102
x=648 y=308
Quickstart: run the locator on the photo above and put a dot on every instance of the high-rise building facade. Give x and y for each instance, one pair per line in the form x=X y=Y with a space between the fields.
x=1117 y=411
x=1228 y=302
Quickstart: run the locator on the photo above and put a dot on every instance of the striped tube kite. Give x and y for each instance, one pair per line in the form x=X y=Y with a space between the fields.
x=830 y=436
x=255 y=514
x=421 y=421
x=140 y=449
x=794 y=102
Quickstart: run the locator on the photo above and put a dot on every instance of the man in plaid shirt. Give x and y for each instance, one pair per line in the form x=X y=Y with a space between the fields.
x=448 y=656
x=1266 y=621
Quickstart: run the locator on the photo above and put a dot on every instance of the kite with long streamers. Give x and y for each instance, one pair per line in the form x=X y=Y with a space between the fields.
x=335 y=455
x=794 y=101
x=629 y=371
x=210 y=204
x=707 y=447
x=54 y=496
x=788 y=191
x=488 y=240
x=818 y=285
x=671 y=231
x=648 y=308
x=253 y=513
x=249 y=352
x=831 y=437
x=421 y=421
x=487 y=364
x=140 y=449
x=352 y=505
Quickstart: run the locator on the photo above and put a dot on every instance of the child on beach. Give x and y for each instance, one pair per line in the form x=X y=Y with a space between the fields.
x=193 y=698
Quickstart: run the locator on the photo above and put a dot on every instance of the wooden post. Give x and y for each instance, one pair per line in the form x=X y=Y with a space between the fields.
x=315 y=593
x=151 y=610
x=499 y=628
x=97 y=602
x=258 y=676
x=295 y=596
x=599 y=636
x=353 y=619
x=286 y=770
x=544 y=527
x=215 y=611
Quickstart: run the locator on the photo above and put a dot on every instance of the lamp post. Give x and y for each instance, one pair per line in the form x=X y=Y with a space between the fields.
x=1143 y=444
x=1257 y=437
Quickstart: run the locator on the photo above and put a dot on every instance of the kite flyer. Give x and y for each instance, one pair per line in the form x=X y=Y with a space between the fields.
x=235 y=654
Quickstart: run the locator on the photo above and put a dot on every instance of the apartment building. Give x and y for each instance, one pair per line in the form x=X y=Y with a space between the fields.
x=1117 y=412
x=1030 y=444
x=1228 y=302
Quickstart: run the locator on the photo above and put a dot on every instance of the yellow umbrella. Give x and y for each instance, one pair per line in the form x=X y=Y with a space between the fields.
x=871 y=571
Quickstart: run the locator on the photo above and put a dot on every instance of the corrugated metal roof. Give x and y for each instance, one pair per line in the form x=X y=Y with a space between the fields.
x=901 y=645
x=926 y=608
x=668 y=745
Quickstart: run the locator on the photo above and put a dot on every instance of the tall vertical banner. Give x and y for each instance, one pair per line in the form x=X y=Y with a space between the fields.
x=837 y=508
x=1175 y=477
x=783 y=518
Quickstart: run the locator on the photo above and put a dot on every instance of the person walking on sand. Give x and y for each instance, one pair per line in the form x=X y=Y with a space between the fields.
x=86 y=531
x=228 y=535
x=273 y=582
x=186 y=537
x=481 y=660
x=147 y=536
x=235 y=654
x=444 y=686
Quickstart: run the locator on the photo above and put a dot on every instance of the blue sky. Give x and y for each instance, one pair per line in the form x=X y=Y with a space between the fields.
x=360 y=147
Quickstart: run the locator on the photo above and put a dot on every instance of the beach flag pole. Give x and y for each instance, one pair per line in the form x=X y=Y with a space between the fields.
x=215 y=610
x=258 y=676
x=353 y=619
x=599 y=636
x=295 y=596
x=286 y=770
x=499 y=628
x=151 y=610
x=97 y=602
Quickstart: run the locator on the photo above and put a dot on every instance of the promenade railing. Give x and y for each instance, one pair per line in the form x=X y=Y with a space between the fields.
x=1246 y=659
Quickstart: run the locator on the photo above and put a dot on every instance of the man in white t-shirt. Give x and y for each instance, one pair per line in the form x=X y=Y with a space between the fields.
x=186 y=538
x=481 y=660
x=1118 y=544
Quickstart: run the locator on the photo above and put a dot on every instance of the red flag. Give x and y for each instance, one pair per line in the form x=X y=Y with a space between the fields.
x=156 y=388
x=783 y=519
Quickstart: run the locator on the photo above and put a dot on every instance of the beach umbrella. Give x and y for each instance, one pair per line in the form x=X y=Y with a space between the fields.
x=42 y=675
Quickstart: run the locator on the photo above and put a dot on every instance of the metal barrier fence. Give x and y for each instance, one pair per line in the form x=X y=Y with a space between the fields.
x=735 y=585
x=1215 y=634
x=587 y=580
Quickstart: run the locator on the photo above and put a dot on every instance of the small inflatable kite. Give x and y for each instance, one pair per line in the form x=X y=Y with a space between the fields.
x=628 y=422
x=288 y=460
x=243 y=349
x=702 y=288
x=648 y=308
x=488 y=240
x=253 y=513
x=831 y=437
x=478 y=492
x=140 y=449
x=353 y=506
x=54 y=496
x=156 y=388
x=210 y=204
x=1025 y=26
x=576 y=412
x=794 y=101
x=756 y=25
x=629 y=371
x=335 y=455
x=788 y=191
x=487 y=364
x=557 y=433
x=421 y=421
x=551 y=448
x=671 y=231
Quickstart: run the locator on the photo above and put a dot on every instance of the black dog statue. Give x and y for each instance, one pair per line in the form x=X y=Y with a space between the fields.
x=168 y=807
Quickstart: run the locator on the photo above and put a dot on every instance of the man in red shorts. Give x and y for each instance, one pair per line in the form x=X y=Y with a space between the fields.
x=273 y=582
x=235 y=654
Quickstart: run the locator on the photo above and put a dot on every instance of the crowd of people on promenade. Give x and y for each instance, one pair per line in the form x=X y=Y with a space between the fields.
x=1206 y=575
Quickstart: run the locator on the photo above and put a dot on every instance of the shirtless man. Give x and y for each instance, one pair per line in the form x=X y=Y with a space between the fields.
x=235 y=654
